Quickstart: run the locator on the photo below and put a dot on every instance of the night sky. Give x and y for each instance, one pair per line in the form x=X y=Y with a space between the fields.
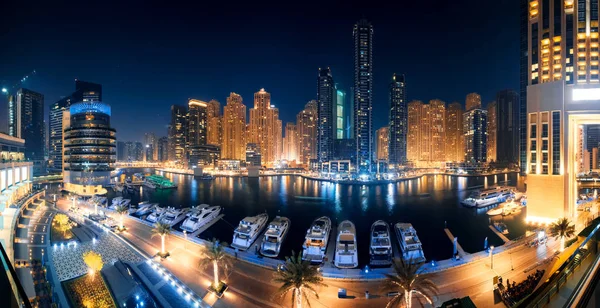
x=149 y=57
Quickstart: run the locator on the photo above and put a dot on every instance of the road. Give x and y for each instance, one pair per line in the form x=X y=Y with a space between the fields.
x=251 y=286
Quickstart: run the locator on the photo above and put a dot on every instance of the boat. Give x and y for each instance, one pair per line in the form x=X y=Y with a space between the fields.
x=315 y=243
x=501 y=227
x=276 y=232
x=155 y=215
x=412 y=250
x=506 y=208
x=346 y=251
x=248 y=230
x=199 y=218
x=207 y=176
x=487 y=197
x=173 y=215
x=120 y=202
x=158 y=182
x=381 y=245
x=145 y=208
x=149 y=184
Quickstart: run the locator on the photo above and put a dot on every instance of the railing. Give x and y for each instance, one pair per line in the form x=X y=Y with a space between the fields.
x=18 y=293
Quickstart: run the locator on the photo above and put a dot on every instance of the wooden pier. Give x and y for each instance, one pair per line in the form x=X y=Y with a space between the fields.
x=459 y=248
x=500 y=235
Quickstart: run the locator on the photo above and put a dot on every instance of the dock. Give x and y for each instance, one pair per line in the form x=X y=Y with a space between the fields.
x=330 y=251
x=206 y=226
x=500 y=235
x=459 y=248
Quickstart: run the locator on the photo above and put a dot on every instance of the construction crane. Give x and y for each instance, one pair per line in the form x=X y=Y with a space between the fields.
x=6 y=90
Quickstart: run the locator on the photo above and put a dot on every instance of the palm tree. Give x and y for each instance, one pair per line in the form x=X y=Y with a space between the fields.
x=562 y=228
x=406 y=280
x=300 y=278
x=214 y=254
x=162 y=230
x=121 y=210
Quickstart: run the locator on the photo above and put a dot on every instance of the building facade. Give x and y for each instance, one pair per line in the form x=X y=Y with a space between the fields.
x=492 y=135
x=382 y=141
x=475 y=134
x=196 y=124
x=16 y=174
x=178 y=135
x=26 y=121
x=426 y=142
x=454 y=133
x=253 y=157
x=473 y=101
x=234 y=128
x=507 y=140
x=150 y=147
x=214 y=122
x=203 y=155
x=291 y=143
x=341 y=113
x=121 y=151
x=306 y=126
x=163 y=149
x=266 y=128
x=326 y=98
x=363 y=94
x=398 y=125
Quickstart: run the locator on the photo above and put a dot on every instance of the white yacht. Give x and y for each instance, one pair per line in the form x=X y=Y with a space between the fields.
x=199 y=218
x=155 y=215
x=346 y=251
x=173 y=216
x=506 y=208
x=248 y=230
x=381 y=245
x=120 y=202
x=410 y=244
x=276 y=232
x=317 y=236
x=145 y=208
x=488 y=196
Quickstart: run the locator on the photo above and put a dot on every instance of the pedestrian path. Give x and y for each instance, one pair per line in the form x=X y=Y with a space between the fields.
x=500 y=235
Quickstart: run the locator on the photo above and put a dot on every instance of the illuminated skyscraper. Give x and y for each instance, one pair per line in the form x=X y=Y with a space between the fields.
x=492 y=131
x=234 y=128
x=426 y=132
x=150 y=147
x=266 y=128
x=163 y=149
x=341 y=111
x=214 y=129
x=363 y=94
x=473 y=101
x=415 y=109
x=382 y=141
x=178 y=134
x=454 y=133
x=306 y=122
x=196 y=125
x=398 y=120
x=475 y=134
x=26 y=121
x=290 y=147
x=326 y=98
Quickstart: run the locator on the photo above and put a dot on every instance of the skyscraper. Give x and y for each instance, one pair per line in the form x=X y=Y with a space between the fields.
x=26 y=121
x=163 y=149
x=253 y=155
x=214 y=129
x=473 y=101
x=326 y=131
x=382 y=141
x=454 y=133
x=523 y=82
x=150 y=147
x=196 y=126
x=507 y=140
x=475 y=134
x=291 y=142
x=266 y=128
x=121 y=151
x=492 y=134
x=178 y=134
x=340 y=113
x=363 y=94
x=426 y=132
x=398 y=121
x=234 y=128
x=306 y=122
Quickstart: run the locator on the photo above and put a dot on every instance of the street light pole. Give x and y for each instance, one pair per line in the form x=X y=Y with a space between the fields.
x=492 y=256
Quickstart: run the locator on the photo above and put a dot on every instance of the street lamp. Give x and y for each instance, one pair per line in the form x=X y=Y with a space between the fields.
x=492 y=256
x=4 y=90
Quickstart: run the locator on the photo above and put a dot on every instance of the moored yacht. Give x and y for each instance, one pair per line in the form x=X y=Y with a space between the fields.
x=381 y=244
x=248 y=230
x=506 y=208
x=276 y=232
x=488 y=196
x=145 y=208
x=346 y=251
x=155 y=215
x=199 y=217
x=120 y=202
x=173 y=216
x=315 y=243
x=410 y=244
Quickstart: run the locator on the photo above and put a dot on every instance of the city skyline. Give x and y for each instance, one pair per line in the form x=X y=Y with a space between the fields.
x=177 y=82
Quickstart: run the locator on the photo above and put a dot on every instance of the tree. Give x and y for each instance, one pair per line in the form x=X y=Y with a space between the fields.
x=300 y=278
x=121 y=210
x=162 y=230
x=214 y=254
x=562 y=228
x=407 y=280
x=63 y=223
x=93 y=260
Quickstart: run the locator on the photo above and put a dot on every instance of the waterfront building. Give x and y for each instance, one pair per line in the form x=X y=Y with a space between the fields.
x=266 y=128
x=121 y=151
x=138 y=151
x=203 y=155
x=492 y=136
x=15 y=172
x=455 y=151
x=196 y=125
x=163 y=149
x=291 y=143
x=426 y=142
x=26 y=121
x=214 y=122
x=327 y=126
x=524 y=79
x=363 y=94
x=228 y=164
x=382 y=141
x=341 y=114
x=507 y=140
x=306 y=122
x=151 y=147
x=253 y=157
x=84 y=91
x=473 y=101
x=178 y=134
x=398 y=118
x=89 y=148
x=234 y=128
x=345 y=149
x=475 y=134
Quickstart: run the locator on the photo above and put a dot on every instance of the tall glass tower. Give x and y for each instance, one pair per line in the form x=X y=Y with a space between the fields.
x=398 y=121
x=363 y=94
x=326 y=127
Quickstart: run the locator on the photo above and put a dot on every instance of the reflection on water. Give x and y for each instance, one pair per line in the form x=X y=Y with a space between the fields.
x=428 y=203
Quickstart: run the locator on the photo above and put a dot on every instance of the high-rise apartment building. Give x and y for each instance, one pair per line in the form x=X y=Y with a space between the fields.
x=454 y=133
x=492 y=133
x=234 y=128
x=363 y=94
x=473 y=101
x=214 y=121
x=150 y=147
x=138 y=151
x=163 y=149
x=178 y=134
x=507 y=138
x=196 y=125
x=326 y=98
x=341 y=114
x=290 y=147
x=121 y=151
x=266 y=128
x=306 y=127
x=26 y=121
x=475 y=134
x=398 y=121
x=253 y=155
x=523 y=81
x=426 y=132
x=382 y=141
